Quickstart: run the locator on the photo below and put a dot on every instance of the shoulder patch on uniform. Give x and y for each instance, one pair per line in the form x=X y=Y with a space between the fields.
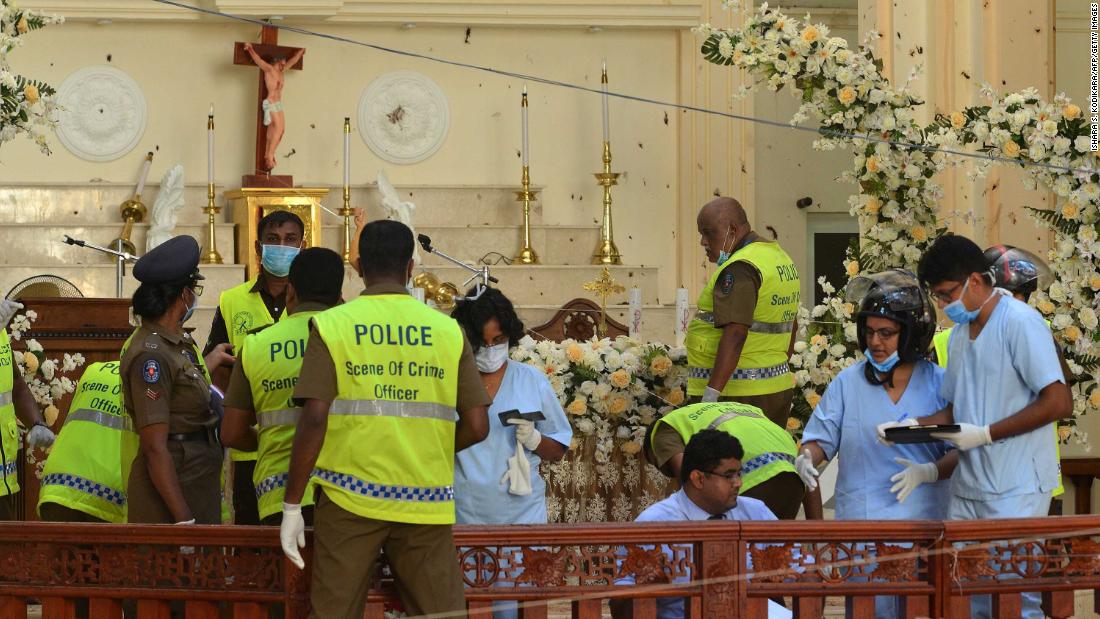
x=150 y=372
x=725 y=282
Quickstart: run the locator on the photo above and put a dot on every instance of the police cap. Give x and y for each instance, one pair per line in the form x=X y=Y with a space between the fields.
x=173 y=260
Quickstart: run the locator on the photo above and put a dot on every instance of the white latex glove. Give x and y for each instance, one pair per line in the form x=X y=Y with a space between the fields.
x=7 y=310
x=913 y=475
x=40 y=436
x=881 y=428
x=518 y=475
x=526 y=434
x=711 y=395
x=969 y=436
x=804 y=464
x=292 y=533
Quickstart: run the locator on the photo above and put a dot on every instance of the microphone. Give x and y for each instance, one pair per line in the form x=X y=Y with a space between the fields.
x=425 y=242
x=71 y=241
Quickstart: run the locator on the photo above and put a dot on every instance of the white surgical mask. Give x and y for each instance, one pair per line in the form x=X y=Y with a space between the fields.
x=490 y=358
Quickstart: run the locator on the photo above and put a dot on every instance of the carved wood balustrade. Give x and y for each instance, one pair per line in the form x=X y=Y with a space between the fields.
x=724 y=569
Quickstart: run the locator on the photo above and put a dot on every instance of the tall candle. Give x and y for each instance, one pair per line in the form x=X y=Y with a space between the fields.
x=683 y=316
x=210 y=146
x=523 y=107
x=603 y=84
x=347 y=152
x=144 y=174
x=635 y=311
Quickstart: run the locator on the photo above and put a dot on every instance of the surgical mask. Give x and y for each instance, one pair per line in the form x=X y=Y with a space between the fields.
x=723 y=255
x=490 y=358
x=190 y=308
x=886 y=365
x=277 y=258
x=958 y=313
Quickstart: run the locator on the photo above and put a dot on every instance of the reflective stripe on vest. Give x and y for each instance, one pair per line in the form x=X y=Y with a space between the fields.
x=768 y=338
x=280 y=417
x=387 y=408
x=743 y=374
x=764 y=460
x=10 y=468
x=114 y=422
x=383 y=491
x=5 y=398
x=86 y=486
x=272 y=483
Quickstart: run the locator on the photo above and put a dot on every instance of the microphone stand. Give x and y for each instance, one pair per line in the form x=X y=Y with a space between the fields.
x=121 y=259
x=481 y=274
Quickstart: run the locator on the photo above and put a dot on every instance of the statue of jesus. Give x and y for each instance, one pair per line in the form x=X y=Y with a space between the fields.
x=273 y=104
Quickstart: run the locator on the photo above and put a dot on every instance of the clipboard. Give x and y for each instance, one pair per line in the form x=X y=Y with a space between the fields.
x=918 y=434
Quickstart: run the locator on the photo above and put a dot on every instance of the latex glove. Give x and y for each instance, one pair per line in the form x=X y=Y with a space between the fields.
x=881 y=428
x=7 y=310
x=912 y=476
x=526 y=434
x=518 y=475
x=40 y=436
x=969 y=436
x=711 y=395
x=292 y=533
x=187 y=550
x=804 y=464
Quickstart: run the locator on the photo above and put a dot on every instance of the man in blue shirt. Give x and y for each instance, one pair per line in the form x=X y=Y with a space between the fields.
x=1004 y=387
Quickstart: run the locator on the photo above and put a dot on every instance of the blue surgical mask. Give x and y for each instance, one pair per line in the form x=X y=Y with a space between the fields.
x=958 y=313
x=277 y=258
x=723 y=255
x=190 y=308
x=885 y=366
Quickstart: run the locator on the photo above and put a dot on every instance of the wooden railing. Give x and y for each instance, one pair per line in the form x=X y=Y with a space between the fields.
x=724 y=569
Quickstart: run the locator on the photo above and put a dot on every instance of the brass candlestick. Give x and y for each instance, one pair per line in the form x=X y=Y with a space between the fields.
x=606 y=252
x=527 y=196
x=346 y=211
x=604 y=286
x=211 y=255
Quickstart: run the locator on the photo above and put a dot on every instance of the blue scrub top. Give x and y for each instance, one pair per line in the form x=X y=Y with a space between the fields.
x=480 y=498
x=845 y=421
x=992 y=377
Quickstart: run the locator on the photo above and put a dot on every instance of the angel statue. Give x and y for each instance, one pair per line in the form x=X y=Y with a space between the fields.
x=166 y=208
x=397 y=210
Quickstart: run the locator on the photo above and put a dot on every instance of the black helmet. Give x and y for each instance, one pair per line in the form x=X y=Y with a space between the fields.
x=1017 y=270
x=895 y=294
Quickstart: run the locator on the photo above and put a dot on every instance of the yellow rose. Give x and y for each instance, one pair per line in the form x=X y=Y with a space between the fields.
x=1094 y=282
x=1010 y=149
x=810 y=34
x=793 y=424
x=22 y=26
x=1094 y=401
x=1072 y=333
x=874 y=205
x=813 y=399
x=1047 y=307
x=676 y=397
x=574 y=353
x=660 y=365
x=631 y=448
x=957 y=120
x=30 y=91
x=919 y=234
x=620 y=379
x=617 y=406
x=849 y=308
x=872 y=166
x=31 y=362
x=852 y=268
x=578 y=406
x=846 y=95
x=1071 y=111
x=50 y=414
x=819 y=340
x=1070 y=210
x=1065 y=431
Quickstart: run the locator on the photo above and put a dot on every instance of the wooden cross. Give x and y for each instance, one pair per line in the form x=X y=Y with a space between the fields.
x=268 y=49
x=604 y=286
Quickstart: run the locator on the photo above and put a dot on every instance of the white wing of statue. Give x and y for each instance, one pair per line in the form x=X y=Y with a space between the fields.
x=162 y=220
x=397 y=209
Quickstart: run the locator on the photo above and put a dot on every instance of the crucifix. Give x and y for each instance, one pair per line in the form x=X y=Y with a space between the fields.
x=273 y=61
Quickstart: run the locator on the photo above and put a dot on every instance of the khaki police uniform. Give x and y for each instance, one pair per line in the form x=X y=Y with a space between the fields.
x=734 y=296
x=414 y=532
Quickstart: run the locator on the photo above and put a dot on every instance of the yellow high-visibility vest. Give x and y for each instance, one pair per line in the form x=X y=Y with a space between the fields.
x=762 y=367
x=769 y=449
x=243 y=311
x=389 y=450
x=272 y=360
x=89 y=465
x=9 y=427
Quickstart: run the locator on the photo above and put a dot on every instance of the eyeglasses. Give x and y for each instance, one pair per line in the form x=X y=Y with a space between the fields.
x=944 y=296
x=883 y=334
x=729 y=476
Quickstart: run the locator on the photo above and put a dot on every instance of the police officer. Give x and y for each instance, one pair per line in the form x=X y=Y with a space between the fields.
x=263 y=380
x=254 y=304
x=166 y=392
x=768 y=474
x=381 y=382
x=16 y=400
x=740 y=340
x=84 y=479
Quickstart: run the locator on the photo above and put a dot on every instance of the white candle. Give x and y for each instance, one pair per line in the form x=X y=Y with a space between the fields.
x=144 y=175
x=523 y=107
x=210 y=147
x=347 y=152
x=603 y=84
x=635 y=311
x=683 y=316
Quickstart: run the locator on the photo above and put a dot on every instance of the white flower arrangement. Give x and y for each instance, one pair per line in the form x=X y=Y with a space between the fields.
x=26 y=105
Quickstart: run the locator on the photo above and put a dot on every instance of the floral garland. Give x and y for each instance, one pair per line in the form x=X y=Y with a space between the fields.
x=896 y=206
x=610 y=389
x=26 y=105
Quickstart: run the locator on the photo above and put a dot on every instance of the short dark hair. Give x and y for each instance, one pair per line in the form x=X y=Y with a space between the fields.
x=706 y=449
x=472 y=316
x=317 y=274
x=950 y=258
x=385 y=248
x=274 y=219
